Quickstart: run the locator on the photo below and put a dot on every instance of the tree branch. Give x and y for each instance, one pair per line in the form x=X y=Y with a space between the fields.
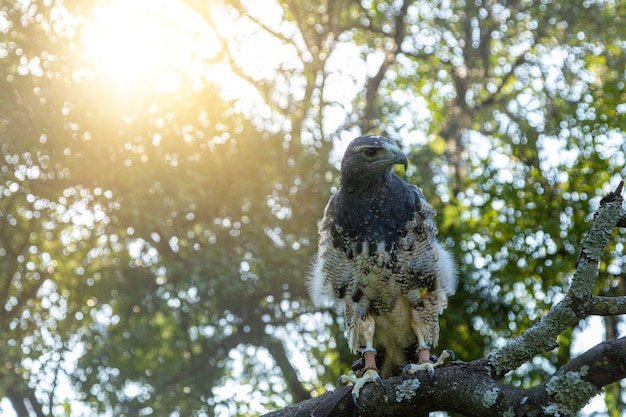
x=577 y=303
x=371 y=109
x=474 y=386
x=477 y=393
x=23 y=400
x=606 y=306
x=277 y=350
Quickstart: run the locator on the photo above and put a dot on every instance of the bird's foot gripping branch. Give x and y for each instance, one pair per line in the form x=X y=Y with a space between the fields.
x=476 y=387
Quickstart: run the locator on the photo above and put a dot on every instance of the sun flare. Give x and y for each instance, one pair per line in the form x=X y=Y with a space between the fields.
x=134 y=41
x=139 y=46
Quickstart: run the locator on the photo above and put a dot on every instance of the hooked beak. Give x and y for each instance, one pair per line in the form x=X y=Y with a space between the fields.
x=397 y=156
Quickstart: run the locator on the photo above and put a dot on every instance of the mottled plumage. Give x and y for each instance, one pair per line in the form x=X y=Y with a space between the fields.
x=379 y=261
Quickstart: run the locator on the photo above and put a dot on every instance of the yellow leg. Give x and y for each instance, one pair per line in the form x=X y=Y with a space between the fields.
x=364 y=336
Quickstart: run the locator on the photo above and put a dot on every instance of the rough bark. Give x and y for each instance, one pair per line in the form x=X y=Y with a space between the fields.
x=469 y=389
x=474 y=389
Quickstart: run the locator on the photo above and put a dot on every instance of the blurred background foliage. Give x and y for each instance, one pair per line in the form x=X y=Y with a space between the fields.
x=164 y=165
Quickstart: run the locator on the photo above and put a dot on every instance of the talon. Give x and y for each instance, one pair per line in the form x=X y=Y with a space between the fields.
x=344 y=379
x=370 y=375
x=380 y=382
x=427 y=365
x=446 y=354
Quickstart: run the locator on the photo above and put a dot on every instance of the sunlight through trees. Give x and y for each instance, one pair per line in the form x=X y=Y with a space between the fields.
x=164 y=165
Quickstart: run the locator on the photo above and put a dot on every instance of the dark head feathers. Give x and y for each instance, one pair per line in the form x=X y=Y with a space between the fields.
x=368 y=161
x=373 y=204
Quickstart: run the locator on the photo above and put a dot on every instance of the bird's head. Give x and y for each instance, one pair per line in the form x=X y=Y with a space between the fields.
x=368 y=159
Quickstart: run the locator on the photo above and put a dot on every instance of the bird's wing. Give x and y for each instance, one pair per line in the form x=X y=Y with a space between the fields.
x=331 y=270
x=429 y=262
x=427 y=273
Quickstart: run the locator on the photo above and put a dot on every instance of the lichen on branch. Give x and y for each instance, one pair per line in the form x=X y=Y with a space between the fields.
x=578 y=303
x=475 y=386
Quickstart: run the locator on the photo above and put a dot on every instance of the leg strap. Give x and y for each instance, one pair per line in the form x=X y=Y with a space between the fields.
x=423 y=353
x=369 y=357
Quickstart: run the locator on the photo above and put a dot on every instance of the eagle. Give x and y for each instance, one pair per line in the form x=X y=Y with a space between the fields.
x=379 y=263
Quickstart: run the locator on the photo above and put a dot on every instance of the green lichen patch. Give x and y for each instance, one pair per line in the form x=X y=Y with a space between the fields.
x=490 y=397
x=509 y=413
x=407 y=389
x=570 y=393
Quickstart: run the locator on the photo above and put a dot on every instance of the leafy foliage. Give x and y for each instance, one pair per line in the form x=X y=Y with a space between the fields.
x=164 y=233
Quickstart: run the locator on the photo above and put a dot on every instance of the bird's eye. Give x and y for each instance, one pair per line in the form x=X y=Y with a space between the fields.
x=370 y=152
